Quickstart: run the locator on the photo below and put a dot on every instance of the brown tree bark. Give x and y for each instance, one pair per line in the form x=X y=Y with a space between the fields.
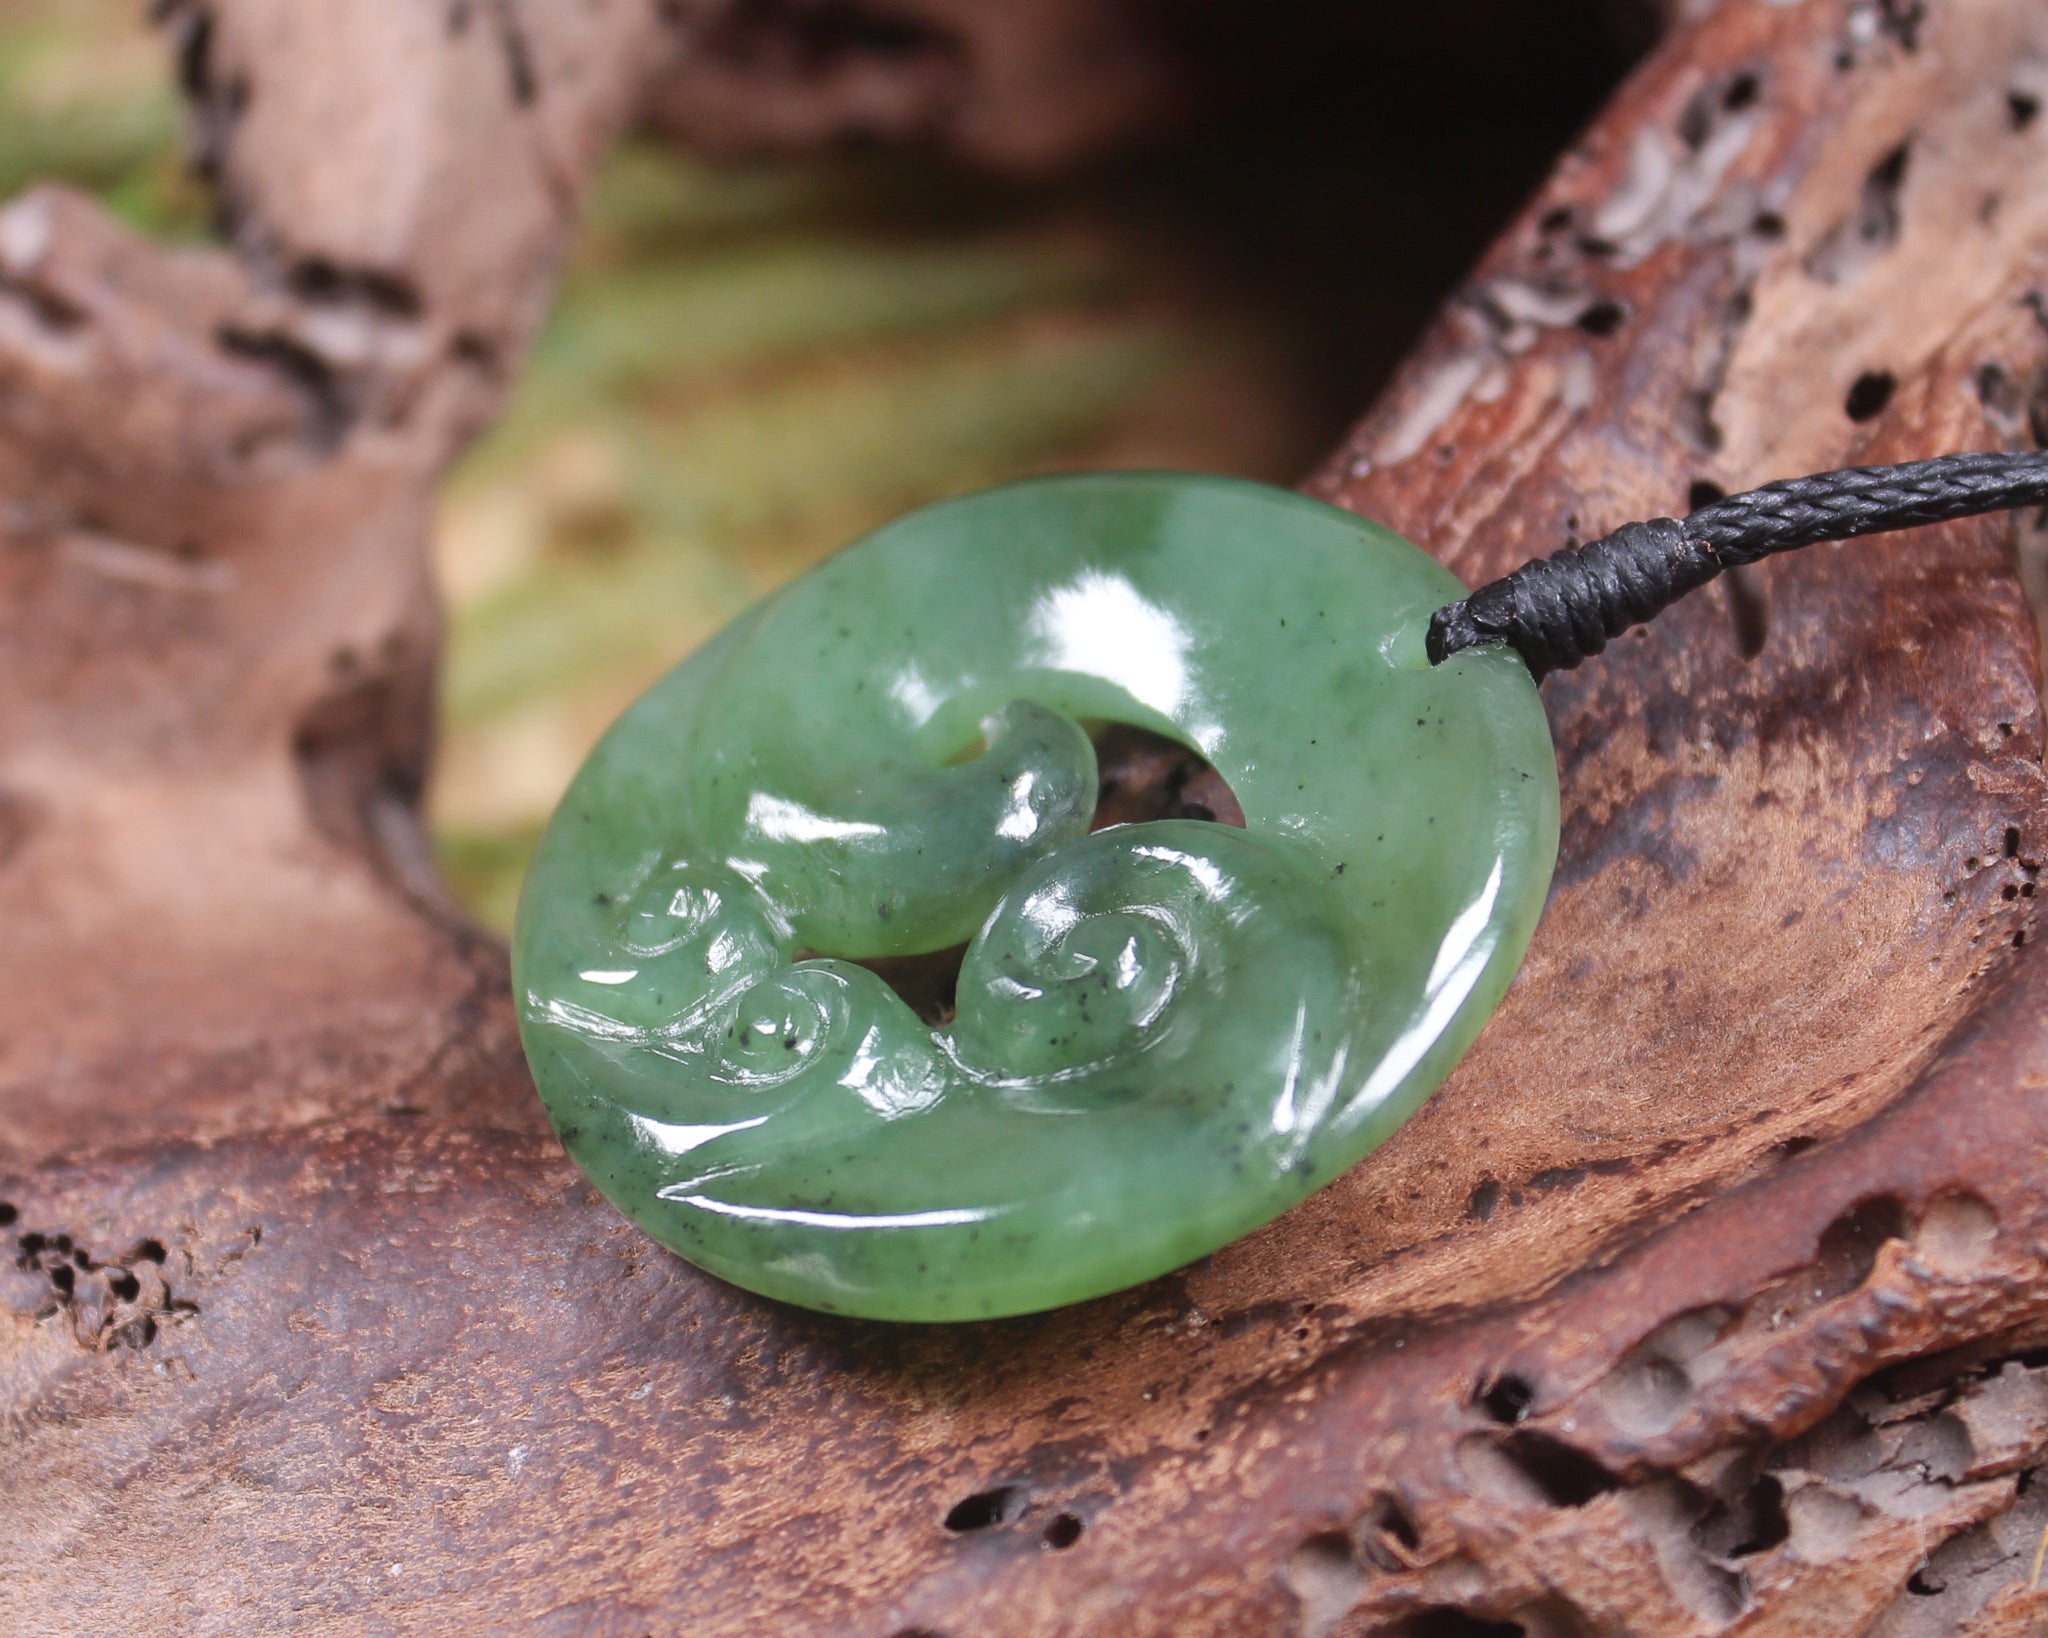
x=1707 y=1297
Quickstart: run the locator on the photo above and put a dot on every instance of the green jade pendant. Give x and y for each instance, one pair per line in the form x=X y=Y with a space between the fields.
x=1166 y=1033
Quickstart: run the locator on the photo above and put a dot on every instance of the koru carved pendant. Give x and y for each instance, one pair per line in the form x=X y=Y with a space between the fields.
x=1166 y=1033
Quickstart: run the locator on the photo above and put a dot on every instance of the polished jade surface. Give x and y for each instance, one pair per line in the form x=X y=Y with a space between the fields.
x=1166 y=1033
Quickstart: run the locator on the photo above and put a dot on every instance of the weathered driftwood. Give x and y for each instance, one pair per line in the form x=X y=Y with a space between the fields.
x=1708 y=1296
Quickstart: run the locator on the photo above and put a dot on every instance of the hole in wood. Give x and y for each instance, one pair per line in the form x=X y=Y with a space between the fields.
x=1749 y=609
x=1603 y=318
x=1508 y=1398
x=1454 y=1623
x=1001 y=1505
x=1842 y=1261
x=1749 y=1521
x=1391 y=1537
x=1566 y=1477
x=1869 y=394
x=1063 y=1532
x=1853 y=244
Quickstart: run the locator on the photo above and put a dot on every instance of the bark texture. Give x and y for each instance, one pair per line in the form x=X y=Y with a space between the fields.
x=1708 y=1297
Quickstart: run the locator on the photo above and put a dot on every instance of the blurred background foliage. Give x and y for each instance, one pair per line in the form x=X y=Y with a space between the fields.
x=750 y=365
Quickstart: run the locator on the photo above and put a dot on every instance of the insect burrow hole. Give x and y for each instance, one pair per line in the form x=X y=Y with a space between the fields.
x=1004 y=1504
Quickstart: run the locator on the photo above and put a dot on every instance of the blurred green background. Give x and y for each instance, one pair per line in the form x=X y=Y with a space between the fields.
x=751 y=365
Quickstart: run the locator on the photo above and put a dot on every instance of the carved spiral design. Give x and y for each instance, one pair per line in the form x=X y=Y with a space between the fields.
x=1164 y=1032
x=1142 y=947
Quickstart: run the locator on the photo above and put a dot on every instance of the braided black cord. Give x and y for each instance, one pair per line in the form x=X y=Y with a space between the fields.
x=1559 y=610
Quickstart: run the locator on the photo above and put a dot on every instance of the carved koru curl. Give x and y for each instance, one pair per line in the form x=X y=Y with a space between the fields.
x=1166 y=1033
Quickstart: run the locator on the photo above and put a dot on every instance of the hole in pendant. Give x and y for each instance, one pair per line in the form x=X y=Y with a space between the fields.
x=928 y=983
x=1001 y=1505
x=1063 y=1532
x=1143 y=776
x=1148 y=776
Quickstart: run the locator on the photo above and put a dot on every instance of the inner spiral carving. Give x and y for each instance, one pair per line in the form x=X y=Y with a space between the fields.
x=1141 y=776
x=1079 y=964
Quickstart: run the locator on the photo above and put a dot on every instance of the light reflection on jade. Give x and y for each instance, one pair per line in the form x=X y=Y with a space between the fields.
x=1167 y=1032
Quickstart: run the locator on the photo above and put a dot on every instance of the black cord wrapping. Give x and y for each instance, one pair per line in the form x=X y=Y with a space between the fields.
x=1559 y=610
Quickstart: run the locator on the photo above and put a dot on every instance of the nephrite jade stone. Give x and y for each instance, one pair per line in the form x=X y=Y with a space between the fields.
x=1166 y=1033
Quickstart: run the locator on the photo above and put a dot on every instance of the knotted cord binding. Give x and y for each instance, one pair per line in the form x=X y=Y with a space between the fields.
x=1559 y=610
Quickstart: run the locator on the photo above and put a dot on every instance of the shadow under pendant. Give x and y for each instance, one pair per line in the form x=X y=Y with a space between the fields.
x=1166 y=1033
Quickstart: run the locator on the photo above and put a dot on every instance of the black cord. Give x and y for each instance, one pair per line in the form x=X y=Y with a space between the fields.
x=1559 y=610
